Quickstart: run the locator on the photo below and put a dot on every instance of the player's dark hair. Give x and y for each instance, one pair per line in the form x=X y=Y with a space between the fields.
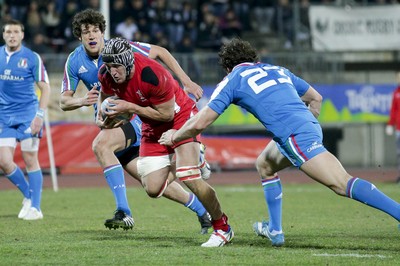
x=235 y=52
x=14 y=22
x=87 y=17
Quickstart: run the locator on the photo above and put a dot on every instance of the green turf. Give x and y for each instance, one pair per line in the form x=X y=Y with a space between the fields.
x=320 y=229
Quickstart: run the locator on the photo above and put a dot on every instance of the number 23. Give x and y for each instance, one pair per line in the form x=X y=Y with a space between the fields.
x=262 y=73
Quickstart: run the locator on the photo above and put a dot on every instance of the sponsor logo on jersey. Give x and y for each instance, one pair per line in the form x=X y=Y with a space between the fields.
x=82 y=69
x=23 y=63
x=314 y=146
x=7 y=76
x=142 y=98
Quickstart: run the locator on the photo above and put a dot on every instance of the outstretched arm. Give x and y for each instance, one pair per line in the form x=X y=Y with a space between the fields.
x=191 y=128
x=69 y=102
x=313 y=100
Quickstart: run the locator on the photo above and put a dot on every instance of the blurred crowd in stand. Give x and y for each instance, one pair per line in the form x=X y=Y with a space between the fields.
x=178 y=25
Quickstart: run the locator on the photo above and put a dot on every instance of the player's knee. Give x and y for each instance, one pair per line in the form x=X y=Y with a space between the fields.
x=6 y=165
x=157 y=192
x=338 y=188
x=99 y=144
x=263 y=167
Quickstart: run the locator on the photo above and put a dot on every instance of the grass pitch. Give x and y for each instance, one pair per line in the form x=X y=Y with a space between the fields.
x=320 y=229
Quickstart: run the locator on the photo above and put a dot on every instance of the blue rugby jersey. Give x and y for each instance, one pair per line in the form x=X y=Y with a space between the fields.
x=18 y=75
x=268 y=92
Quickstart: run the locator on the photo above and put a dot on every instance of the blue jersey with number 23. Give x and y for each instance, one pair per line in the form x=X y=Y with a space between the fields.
x=271 y=93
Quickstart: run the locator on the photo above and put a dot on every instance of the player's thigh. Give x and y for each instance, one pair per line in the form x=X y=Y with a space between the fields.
x=271 y=160
x=326 y=169
x=113 y=139
x=187 y=154
x=131 y=169
x=6 y=158
x=154 y=170
x=154 y=181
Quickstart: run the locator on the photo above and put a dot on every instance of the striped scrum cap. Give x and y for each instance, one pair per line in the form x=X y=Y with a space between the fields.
x=118 y=51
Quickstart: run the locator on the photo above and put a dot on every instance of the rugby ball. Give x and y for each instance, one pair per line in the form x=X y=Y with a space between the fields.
x=125 y=117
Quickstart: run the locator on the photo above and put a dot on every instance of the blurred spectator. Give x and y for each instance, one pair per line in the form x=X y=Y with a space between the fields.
x=140 y=37
x=303 y=33
x=230 y=25
x=186 y=46
x=119 y=11
x=242 y=11
x=40 y=44
x=18 y=9
x=189 y=20
x=160 y=39
x=219 y=7
x=393 y=125
x=51 y=19
x=3 y=19
x=139 y=11
x=160 y=17
x=283 y=22
x=93 y=4
x=33 y=21
x=262 y=16
x=60 y=6
x=71 y=8
x=163 y=20
x=209 y=36
x=175 y=27
x=127 y=28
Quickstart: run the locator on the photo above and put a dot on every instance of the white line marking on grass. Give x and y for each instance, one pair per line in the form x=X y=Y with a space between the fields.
x=352 y=255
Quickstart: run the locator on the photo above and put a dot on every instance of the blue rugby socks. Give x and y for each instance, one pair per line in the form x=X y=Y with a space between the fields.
x=17 y=177
x=365 y=192
x=35 y=187
x=114 y=175
x=195 y=205
x=273 y=197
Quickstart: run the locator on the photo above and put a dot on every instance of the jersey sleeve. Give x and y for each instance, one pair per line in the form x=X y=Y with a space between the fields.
x=70 y=79
x=222 y=96
x=301 y=85
x=141 y=47
x=38 y=69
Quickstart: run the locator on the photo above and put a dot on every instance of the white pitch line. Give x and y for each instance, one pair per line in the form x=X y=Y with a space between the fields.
x=352 y=255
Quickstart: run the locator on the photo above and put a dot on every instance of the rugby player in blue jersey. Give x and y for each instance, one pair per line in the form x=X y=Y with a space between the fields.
x=288 y=107
x=82 y=65
x=21 y=118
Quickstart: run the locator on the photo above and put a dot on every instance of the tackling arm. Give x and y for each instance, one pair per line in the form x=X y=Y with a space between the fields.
x=313 y=100
x=191 y=128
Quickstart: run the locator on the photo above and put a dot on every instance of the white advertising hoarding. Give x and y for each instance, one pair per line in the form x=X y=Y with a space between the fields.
x=374 y=28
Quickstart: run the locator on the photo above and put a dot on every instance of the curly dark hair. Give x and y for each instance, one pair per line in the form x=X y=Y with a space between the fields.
x=87 y=17
x=235 y=52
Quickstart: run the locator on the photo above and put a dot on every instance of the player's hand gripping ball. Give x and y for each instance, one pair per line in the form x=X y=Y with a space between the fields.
x=116 y=121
